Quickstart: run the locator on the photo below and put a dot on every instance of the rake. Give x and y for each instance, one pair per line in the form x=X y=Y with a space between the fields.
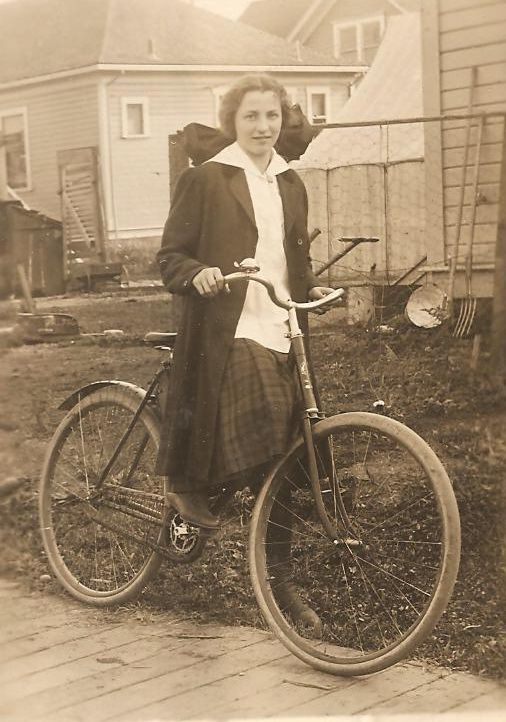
x=468 y=304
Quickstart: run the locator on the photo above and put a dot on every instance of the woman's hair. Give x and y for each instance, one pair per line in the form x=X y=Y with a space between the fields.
x=233 y=98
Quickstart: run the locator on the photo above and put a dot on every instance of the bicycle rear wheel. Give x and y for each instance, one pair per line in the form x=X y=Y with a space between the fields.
x=378 y=590
x=101 y=542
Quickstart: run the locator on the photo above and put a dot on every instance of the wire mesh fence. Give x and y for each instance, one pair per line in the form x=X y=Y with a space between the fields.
x=428 y=188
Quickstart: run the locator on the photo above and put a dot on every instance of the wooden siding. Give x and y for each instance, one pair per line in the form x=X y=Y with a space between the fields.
x=472 y=34
x=62 y=114
x=460 y=34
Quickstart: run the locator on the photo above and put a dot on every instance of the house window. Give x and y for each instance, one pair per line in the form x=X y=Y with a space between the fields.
x=134 y=117
x=358 y=41
x=318 y=105
x=14 y=135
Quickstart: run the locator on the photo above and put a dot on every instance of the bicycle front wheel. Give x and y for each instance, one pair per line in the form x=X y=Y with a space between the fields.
x=361 y=602
x=101 y=540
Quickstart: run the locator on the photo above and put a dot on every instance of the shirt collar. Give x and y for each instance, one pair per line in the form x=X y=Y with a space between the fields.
x=234 y=155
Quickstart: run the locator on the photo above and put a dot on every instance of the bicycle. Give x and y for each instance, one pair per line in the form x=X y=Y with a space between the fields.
x=357 y=524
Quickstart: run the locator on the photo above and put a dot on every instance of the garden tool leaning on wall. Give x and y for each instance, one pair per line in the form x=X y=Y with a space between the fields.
x=468 y=304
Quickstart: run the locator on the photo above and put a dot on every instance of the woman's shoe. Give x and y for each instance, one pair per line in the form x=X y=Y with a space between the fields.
x=289 y=601
x=193 y=507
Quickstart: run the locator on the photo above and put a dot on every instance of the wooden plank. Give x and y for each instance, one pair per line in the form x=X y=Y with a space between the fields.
x=490 y=191
x=485 y=213
x=472 y=38
x=20 y=629
x=245 y=690
x=441 y=695
x=488 y=174
x=455 y=137
x=489 y=153
x=486 y=97
x=145 y=642
x=484 y=233
x=169 y=677
x=367 y=693
x=73 y=645
x=487 y=75
x=450 y=6
x=47 y=686
x=494 y=700
x=480 y=55
x=473 y=17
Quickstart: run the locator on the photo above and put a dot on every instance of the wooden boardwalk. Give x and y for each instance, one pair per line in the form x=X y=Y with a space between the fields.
x=62 y=661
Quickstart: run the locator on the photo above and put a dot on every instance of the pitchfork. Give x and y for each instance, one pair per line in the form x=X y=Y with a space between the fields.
x=468 y=304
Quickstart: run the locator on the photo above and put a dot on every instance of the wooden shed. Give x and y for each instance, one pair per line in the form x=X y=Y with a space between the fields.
x=34 y=241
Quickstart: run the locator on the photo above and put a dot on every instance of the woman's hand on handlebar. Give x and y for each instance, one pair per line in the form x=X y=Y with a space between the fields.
x=318 y=292
x=209 y=282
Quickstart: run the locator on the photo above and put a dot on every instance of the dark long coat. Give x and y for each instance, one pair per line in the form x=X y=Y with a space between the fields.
x=212 y=223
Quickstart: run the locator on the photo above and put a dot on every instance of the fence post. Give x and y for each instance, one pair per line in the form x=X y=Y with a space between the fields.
x=499 y=300
x=4 y=195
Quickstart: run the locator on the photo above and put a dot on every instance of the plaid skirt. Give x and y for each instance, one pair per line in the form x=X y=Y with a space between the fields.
x=257 y=412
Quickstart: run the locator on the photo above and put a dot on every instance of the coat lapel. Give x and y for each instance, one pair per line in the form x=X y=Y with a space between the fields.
x=239 y=188
x=289 y=197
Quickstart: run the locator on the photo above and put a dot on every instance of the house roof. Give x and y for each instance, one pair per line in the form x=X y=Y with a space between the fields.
x=41 y=37
x=275 y=16
x=292 y=18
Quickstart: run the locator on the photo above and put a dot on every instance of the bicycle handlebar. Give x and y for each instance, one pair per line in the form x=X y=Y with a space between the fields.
x=249 y=274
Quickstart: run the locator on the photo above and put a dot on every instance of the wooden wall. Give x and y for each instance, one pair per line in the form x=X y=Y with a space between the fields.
x=459 y=35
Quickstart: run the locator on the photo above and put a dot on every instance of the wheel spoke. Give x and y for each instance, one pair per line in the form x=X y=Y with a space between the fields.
x=368 y=592
x=94 y=537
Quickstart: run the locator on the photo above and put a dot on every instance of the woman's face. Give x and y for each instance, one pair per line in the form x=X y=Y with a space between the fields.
x=258 y=122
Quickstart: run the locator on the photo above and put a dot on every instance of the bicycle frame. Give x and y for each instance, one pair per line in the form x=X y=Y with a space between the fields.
x=338 y=530
x=311 y=413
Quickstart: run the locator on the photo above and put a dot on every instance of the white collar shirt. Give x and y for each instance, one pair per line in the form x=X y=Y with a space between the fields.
x=261 y=320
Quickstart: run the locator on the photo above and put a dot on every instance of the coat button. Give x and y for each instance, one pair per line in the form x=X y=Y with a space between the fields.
x=300 y=241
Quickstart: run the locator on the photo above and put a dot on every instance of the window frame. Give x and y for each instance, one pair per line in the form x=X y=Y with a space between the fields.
x=358 y=24
x=23 y=111
x=318 y=90
x=144 y=103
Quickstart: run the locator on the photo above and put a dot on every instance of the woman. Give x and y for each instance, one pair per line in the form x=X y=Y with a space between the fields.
x=232 y=399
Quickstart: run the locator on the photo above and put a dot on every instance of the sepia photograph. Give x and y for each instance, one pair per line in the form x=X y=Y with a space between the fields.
x=252 y=360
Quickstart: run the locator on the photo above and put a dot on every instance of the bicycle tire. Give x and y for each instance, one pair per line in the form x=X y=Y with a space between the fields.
x=89 y=543
x=357 y=606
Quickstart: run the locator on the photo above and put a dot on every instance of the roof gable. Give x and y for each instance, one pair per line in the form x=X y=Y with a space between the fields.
x=40 y=37
x=278 y=17
x=297 y=19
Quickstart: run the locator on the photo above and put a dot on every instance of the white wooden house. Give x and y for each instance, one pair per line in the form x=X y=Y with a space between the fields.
x=90 y=90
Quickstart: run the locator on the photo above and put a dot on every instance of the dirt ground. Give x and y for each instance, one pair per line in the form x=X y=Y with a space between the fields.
x=424 y=379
